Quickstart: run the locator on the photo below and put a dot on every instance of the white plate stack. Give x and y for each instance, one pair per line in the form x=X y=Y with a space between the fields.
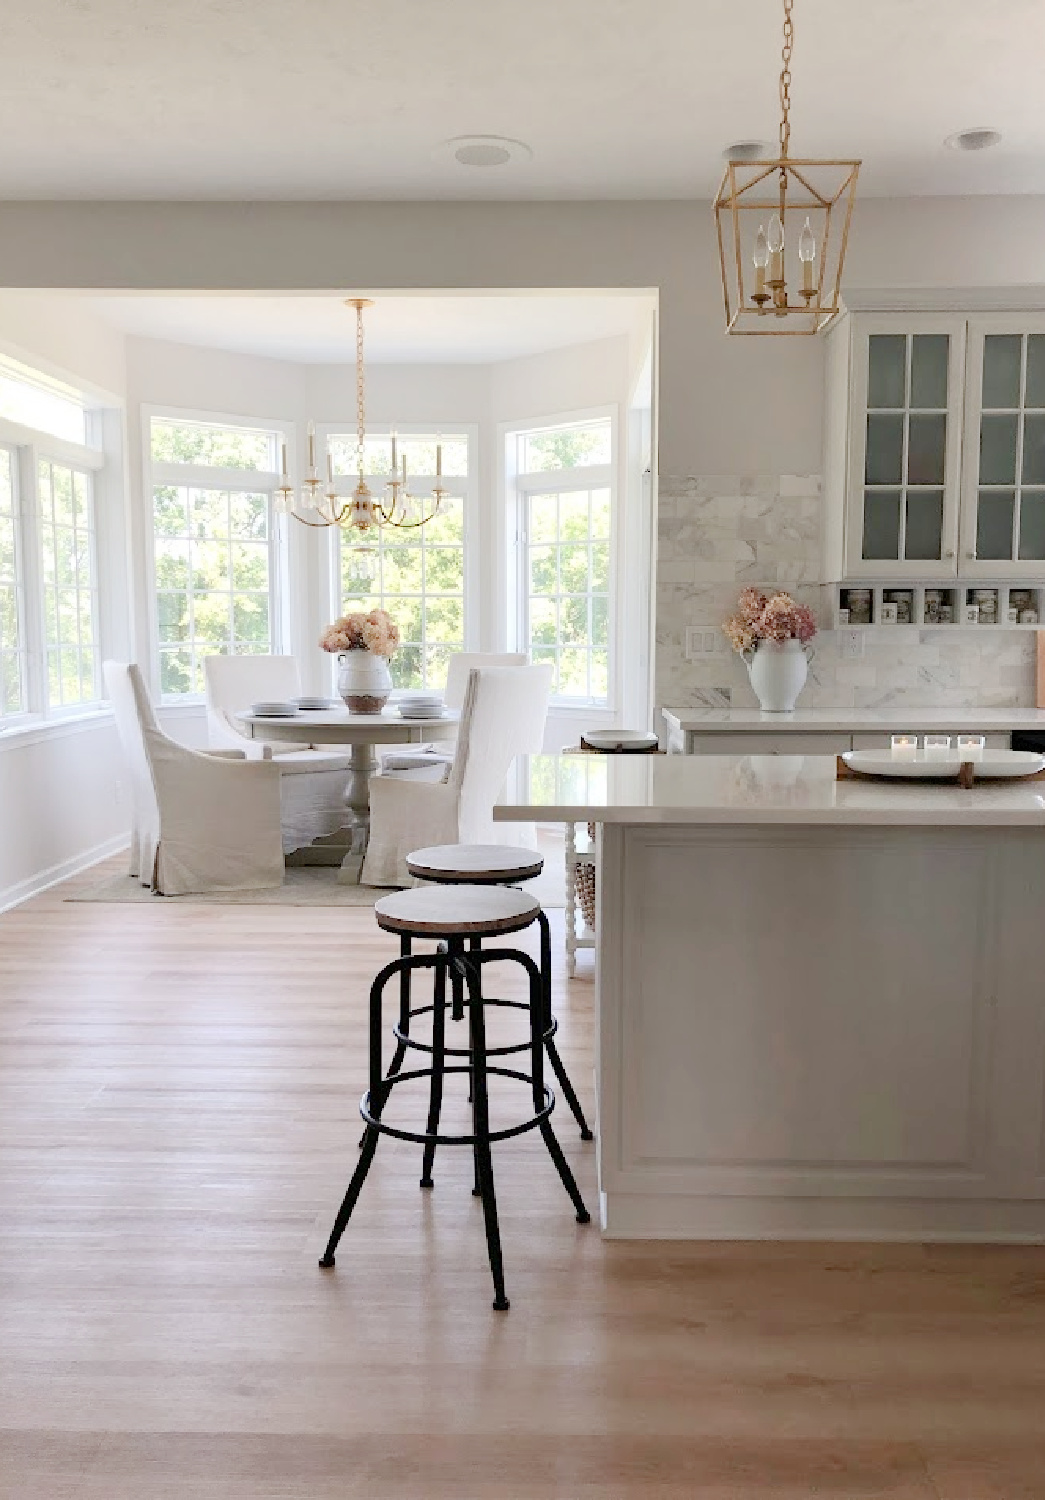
x=316 y=705
x=421 y=706
x=273 y=710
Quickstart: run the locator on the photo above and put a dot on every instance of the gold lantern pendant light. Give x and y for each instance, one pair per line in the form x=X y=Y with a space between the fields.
x=762 y=209
x=320 y=503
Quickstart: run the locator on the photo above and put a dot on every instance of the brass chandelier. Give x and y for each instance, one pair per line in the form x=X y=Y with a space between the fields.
x=318 y=502
x=762 y=209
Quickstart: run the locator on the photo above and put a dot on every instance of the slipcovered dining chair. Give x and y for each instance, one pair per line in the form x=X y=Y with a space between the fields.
x=503 y=716
x=232 y=683
x=212 y=820
x=461 y=663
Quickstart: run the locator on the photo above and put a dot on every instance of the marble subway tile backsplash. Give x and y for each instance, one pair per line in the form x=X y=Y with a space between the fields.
x=718 y=533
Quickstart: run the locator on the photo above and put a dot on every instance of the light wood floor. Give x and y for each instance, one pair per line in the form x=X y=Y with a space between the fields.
x=178 y=1092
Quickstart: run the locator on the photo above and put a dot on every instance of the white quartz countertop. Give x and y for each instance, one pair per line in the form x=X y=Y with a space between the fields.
x=718 y=789
x=855 y=720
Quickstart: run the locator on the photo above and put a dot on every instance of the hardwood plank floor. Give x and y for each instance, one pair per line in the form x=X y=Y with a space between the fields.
x=178 y=1116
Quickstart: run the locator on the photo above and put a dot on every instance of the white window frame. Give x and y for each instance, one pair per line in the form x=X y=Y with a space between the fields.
x=30 y=446
x=518 y=489
x=82 y=705
x=203 y=476
x=466 y=489
x=21 y=652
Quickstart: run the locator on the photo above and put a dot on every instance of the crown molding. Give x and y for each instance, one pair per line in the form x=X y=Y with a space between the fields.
x=958 y=299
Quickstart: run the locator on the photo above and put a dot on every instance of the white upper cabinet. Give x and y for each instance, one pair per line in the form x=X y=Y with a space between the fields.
x=1003 y=473
x=893 y=482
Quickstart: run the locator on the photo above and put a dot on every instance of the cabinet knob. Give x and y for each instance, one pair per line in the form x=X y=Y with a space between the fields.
x=971 y=556
x=949 y=552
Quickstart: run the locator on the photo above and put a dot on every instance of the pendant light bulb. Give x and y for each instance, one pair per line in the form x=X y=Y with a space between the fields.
x=761 y=255
x=806 y=243
x=775 y=237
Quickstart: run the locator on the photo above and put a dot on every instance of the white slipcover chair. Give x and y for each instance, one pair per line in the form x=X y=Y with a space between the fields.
x=503 y=716
x=233 y=683
x=211 y=820
x=458 y=668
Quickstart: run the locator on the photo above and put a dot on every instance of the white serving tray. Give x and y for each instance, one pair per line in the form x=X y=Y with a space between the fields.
x=994 y=764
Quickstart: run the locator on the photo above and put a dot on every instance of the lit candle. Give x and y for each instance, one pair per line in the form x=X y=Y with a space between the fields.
x=807 y=255
x=971 y=746
x=904 y=746
x=937 y=746
x=775 y=245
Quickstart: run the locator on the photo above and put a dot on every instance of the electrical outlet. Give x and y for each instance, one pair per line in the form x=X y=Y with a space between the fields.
x=850 y=644
x=700 y=641
x=118 y=792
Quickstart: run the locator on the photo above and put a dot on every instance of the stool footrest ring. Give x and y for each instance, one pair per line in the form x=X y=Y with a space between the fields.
x=420 y=1137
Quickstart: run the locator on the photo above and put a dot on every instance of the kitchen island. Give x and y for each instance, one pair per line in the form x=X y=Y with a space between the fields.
x=821 y=1004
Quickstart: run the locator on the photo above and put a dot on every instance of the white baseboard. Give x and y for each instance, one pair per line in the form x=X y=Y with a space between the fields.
x=14 y=895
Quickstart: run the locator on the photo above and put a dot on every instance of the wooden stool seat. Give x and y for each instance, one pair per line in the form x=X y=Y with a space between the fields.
x=447 y=911
x=474 y=864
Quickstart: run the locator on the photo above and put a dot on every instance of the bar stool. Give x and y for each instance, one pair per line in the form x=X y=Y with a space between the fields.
x=454 y=917
x=499 y=864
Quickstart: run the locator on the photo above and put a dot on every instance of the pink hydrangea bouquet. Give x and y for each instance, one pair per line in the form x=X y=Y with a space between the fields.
x=767 y=617
x=376 y=632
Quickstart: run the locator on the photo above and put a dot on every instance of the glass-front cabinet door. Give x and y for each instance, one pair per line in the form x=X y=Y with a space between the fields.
x=905 y=446
x=1003 y=488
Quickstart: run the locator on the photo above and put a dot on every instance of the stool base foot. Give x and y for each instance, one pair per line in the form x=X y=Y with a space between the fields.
x=426 y=1182
x=477 y=1192
x=326 y=1261
x=501 y=1304
x=584 y=1218
x=586 y=1135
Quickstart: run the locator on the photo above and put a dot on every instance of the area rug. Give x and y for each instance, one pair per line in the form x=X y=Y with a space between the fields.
x=303 y=885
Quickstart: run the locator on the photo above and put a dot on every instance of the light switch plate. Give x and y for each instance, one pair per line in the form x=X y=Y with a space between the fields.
x=701 y=640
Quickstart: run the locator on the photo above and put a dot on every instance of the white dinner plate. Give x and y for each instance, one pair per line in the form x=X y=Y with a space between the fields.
x=315 y=705
x=994 y=765
x=273 y=710
x=435 y=712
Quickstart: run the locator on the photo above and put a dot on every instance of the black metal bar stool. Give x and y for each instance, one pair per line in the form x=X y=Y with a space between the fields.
x=454 y=918
x=502 y=865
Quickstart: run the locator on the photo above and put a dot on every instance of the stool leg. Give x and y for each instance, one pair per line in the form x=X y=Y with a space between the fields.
x=481 y=1131
x=553 y=1051
x=404 y=1017
x=378 y=1094
x=435 y=1098
x=537 y=1069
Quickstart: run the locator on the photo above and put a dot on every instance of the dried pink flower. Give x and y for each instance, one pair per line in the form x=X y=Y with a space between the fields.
x=776 y=618
x=376 y=632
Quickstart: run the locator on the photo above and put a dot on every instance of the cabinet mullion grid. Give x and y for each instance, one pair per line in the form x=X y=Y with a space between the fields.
x=905 y=440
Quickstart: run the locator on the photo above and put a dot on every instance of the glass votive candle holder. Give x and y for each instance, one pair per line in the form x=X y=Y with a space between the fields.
x=937 y=744
x=905 y=746
x=971 y=746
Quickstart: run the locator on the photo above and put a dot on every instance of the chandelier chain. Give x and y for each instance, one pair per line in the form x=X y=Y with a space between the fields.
x=785 y=79
x=360 y=396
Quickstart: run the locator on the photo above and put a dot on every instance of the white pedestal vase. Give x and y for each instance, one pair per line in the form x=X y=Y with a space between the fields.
x=778 y=673
x=364 y=681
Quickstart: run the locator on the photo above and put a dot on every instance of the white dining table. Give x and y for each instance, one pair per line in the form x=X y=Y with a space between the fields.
x=360 y=732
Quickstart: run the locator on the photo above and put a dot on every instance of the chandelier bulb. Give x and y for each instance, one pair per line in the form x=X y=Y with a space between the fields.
x=806 y=243
x=775 y=237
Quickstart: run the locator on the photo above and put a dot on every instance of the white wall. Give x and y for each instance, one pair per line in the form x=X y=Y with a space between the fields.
x=61 y=792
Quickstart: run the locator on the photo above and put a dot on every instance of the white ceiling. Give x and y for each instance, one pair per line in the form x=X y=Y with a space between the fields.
x=617 y=98
x=398 y=329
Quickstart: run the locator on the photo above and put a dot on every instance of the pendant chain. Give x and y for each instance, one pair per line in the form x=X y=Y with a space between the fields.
x=785 y=80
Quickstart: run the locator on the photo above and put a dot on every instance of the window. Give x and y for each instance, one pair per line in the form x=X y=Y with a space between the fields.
x=565 y=524
x=70 y=588
x=12 y=655
x=213 y=549
x=418 y=576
